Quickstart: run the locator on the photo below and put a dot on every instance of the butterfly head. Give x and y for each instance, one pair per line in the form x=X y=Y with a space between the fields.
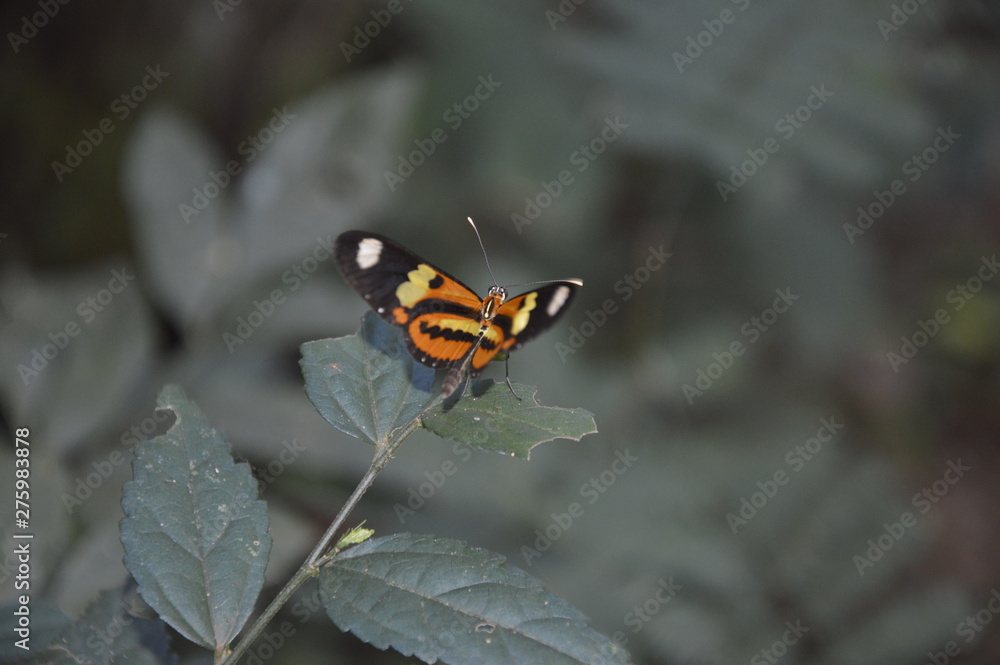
x=498 y=291
x=492 y=302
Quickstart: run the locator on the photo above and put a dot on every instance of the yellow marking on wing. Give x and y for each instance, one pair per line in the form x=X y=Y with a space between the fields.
x=465 y=325
x=520 y=320
x=416 y=287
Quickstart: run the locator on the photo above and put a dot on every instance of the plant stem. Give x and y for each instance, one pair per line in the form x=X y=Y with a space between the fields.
x=309 y=567
x=382 y=457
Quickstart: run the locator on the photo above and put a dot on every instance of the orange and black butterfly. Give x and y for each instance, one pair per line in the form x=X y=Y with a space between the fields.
x=445 y=324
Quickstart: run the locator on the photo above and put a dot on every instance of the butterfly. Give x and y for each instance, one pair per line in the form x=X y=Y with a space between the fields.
x=445 y=324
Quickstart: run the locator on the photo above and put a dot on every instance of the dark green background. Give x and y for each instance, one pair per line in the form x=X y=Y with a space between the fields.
x=889 y=90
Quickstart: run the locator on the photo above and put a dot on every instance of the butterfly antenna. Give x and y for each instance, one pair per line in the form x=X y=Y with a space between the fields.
x=571 y=280
x=483 y=247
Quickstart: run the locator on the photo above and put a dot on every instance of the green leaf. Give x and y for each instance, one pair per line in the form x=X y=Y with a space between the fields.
x=195 y=534
x=439 y=599
x=491 y=418
x=108 y=633
x=165 y=161
x=367 y=384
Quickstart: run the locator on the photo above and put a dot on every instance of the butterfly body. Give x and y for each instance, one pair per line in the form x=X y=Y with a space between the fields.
x=445 y=324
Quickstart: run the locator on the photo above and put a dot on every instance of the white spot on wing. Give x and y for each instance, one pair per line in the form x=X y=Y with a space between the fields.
x=557 y=301
x=369 y=251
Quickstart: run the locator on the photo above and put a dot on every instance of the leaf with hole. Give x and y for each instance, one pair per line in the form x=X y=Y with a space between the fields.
x=195 y=535
x=489 y=417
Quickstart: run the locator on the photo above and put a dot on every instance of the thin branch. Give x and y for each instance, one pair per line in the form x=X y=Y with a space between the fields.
x=311 y=566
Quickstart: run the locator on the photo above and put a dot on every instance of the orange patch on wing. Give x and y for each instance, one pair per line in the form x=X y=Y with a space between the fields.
x=454 y=292
x=493 y=343
x=435 y=342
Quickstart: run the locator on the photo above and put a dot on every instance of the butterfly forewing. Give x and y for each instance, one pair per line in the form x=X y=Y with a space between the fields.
x=376 y=267
x=532 y=313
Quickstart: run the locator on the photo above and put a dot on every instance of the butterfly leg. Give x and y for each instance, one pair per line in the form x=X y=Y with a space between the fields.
x=506 y=364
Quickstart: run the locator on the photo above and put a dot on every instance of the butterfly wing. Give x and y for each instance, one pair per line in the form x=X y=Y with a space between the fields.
x=439 y=314
x=523 y=318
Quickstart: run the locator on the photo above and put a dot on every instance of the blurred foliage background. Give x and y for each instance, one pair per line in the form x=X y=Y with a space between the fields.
x=821 y=107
